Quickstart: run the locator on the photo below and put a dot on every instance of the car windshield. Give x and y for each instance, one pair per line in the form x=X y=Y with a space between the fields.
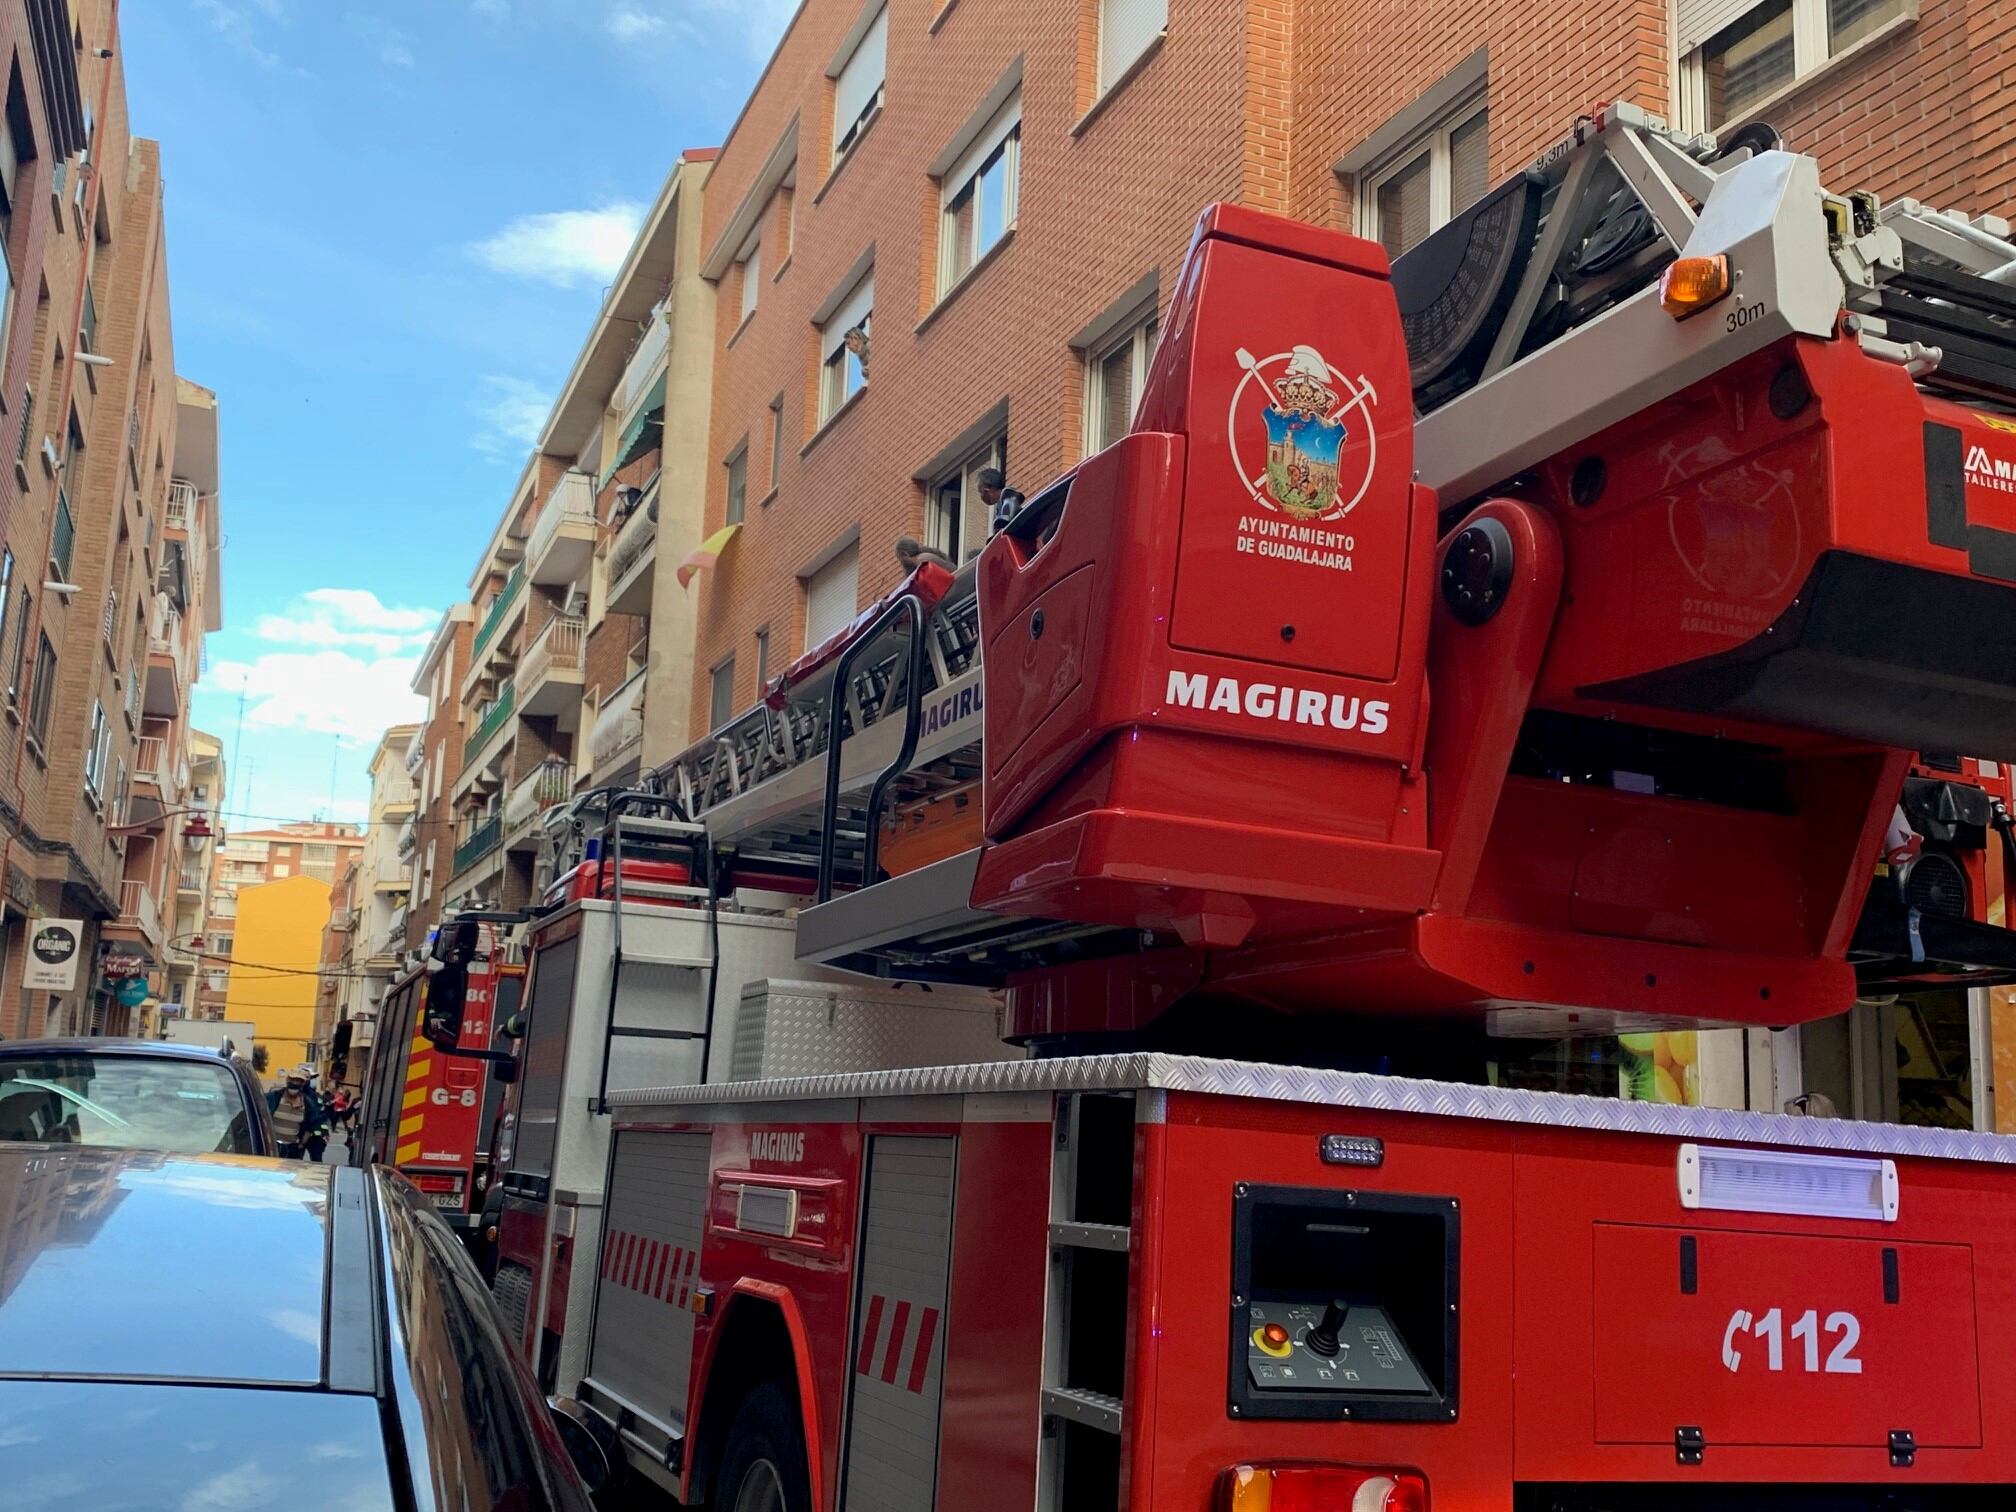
x=190 y=1107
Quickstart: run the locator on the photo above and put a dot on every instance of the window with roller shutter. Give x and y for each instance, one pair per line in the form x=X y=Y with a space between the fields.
x=857 y=82
x=1736 y=55
x=1127 y=29
x=832 y=592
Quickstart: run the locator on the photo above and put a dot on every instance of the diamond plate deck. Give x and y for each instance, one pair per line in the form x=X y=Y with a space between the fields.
x=1348 y=1089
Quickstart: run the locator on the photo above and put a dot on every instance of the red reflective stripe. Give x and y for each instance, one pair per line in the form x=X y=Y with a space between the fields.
x=864 y=1361
x=619 y=1250
x=637 y=1242
x=686 y=1280
x=608 y=1256
x=651 y=1249
x=927 y=1330
x=669 y=1259
x=895 y=1354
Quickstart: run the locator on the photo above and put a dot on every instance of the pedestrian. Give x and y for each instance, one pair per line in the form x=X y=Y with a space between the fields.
x=912 y=553
x=299 y=1124
x=340 y=1108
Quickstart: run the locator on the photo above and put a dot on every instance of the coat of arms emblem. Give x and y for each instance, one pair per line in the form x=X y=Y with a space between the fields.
x=1302 y=404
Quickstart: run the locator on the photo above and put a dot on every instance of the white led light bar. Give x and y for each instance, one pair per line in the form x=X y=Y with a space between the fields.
x=1719 y=1178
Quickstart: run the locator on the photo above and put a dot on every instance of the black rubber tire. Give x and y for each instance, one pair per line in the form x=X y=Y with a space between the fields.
x=766 y=1429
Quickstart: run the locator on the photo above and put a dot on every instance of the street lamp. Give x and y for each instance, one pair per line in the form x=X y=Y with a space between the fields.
x=194 y=833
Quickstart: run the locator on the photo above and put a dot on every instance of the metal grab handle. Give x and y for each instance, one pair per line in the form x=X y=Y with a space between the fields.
x=913 y=703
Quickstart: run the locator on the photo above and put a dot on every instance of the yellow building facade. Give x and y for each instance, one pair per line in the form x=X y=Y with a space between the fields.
x=274 y=964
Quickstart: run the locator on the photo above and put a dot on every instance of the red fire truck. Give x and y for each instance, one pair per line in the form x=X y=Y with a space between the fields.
x=1524 y=643
x=428 y=1110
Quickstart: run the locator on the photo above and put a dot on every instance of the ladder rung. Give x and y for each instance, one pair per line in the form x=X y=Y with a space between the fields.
x=1095 y=1409
x=1092 y=1236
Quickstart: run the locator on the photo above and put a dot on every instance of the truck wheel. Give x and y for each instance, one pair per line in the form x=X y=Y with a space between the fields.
x=763 y=1465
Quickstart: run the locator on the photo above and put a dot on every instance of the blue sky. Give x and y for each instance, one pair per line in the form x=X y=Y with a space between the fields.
x=390 y=224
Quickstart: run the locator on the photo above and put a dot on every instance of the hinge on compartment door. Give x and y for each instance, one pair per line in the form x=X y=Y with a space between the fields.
x=1689 y=1445
x=1903 y=1449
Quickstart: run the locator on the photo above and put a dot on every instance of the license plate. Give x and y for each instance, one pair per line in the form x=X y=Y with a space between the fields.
x=452 y=1200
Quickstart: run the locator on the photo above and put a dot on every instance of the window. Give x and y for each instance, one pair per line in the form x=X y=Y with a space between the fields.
x=1127 y=28
x=980 y=191
x=1436 y=173
x=96 y=748
x=776 y=449
x=750 y=265
x=43 y=693
x=14 y=667
x=1114 y=374
x=831 y=594
x=324 y=855
x=843 y=348
x=427 y=875
x=721 y=695
x=738 y=484
x=857 y=84
x=1733 y=56
x=959 y=513
x=282 y=869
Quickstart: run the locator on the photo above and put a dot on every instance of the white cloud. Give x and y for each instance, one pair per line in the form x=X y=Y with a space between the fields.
x=241 y=1487
x=494 y=10
x=513 y=412
x=627 y=23
x=327 y=691
x=231 y=23
x=564 y=247
x=393 y=46
x=348 y=617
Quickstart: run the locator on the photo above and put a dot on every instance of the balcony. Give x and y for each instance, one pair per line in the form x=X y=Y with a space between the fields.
x=634 y=556
x=138 y=910
x=642 y=367
x=563 y=537
x=409 y=836
x=167 y=660
x=511 y=594
x=550 y=671
x=482 y=840
x=393 y=941
x=182 y=498
x=619 y=725
x=343 y=920
x=549 y=783
x=216 y=981
x=416 y=752
x=496 y=716
x=150 y=762
x=191 y=882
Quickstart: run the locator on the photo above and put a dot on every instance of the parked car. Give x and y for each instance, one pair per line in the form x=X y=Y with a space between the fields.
x=223 y=1331
x=133 y=1094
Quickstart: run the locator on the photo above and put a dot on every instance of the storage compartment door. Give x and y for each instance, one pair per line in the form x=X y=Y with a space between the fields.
x=891 y=1446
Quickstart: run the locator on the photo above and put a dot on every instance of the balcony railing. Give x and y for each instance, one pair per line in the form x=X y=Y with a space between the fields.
x=189 y=881
x=416 y=752
x=216 y=981
x=619 y=722
x=164 y=636
x=182 y=498
x=634 y=539
x=409 y=835
x=557 y=647
x=549 y=783
x=572 y=502
x=643 y=363
x=500 y=606
x=150 y=761
x=138 y=909
x=394 y=939
x=494 y=717
x=482 y=840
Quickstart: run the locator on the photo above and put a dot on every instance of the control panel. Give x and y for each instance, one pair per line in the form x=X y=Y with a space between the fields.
x=1329 y=1346
x=1344 y=1304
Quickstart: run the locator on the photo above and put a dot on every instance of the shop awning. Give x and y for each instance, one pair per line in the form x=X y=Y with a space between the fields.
x=641 y=434
x=704 y=556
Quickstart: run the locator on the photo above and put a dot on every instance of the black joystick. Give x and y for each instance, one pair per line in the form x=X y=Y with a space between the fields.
x=1323 y=1337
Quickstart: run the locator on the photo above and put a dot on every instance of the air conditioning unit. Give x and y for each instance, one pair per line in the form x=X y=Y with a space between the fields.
x=577 y=602
x=49 y=456
x=201 y=791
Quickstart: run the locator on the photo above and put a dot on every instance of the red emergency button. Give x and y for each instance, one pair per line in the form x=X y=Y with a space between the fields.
x=1273 y=1339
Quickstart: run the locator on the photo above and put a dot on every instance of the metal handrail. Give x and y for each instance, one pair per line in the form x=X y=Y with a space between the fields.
x=913 y=703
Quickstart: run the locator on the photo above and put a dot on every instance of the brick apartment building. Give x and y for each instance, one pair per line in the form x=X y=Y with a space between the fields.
x=996 y=199
x=581 y=662
x=108 y=526
x=426 y=842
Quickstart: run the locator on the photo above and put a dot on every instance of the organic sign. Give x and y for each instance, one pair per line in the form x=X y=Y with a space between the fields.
x=53 y=948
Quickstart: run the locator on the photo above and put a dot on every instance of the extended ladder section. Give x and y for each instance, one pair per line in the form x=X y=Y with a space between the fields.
x=1652 y=467
x=758 y=784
